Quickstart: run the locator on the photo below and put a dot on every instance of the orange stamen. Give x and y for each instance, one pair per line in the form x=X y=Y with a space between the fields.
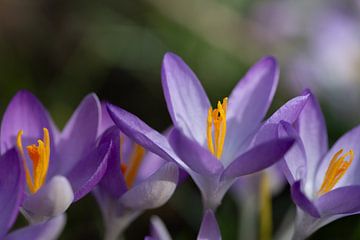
x=217 y=119
x=40 y=156
x=338 y=166
x=134 y=165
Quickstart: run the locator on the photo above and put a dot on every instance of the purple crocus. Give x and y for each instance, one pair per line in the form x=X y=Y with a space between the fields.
x=60 y=168
x=325 y=184
x=215 y=146
x=209 y=229
x=135 y=180
x=12 y=181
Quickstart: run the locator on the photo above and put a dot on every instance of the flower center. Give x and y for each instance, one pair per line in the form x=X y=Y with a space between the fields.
x=338 y=166
x=40 y=156
x=217 y=120
x=131 y=169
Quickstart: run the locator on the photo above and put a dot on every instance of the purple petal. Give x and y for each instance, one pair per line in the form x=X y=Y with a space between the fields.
x=289 y=112
x=258 y=158
x=302 y=201
x=185 y=97
x=144 y=135
x=344 y=200
x=92 y=167
x=294 y=164
x=50 y=201
x=252 y=96
x=312 y=132
x=24 y=112
x=49 y=230
x=113 y=181
x=154 y=191
x=248 y=104
x=106 y=121
x=350 y=140
x=11 y=189
x=209 y=229
x=79 y=134
x=194 y=155
x=158 y=229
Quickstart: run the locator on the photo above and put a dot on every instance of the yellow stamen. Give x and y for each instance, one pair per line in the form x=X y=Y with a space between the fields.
x=40 y=156
x=217 y=118
x=338 y=166
x=209 y=131
x=134 y=164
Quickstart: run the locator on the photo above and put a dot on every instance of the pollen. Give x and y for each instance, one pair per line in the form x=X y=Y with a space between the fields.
x=338 y=166
x=40 y=156
x=216 y=128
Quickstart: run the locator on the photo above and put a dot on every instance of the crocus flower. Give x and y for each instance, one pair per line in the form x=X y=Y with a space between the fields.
x=60 y=168
x=209 y=229
x=324 y=183
x=12 y=181
x=135 y=180
x=213 y=145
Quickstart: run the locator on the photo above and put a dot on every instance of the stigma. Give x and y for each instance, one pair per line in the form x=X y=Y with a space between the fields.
x=131 y=168
x=40 y=156
x=216 y=121
x=338 y=166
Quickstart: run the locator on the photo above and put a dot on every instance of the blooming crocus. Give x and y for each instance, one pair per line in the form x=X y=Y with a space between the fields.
x=213 y=145
x=209 y=229
x=12 y=181
x=59 y=167
x=325 y=184
x=135 y=180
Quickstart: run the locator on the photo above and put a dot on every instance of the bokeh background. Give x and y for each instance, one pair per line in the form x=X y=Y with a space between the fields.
x=61 y=50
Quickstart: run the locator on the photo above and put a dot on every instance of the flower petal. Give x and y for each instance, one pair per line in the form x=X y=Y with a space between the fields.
x=158 y=229
x=144 y=135
x=106 y=121
x=49 y=230
x=350 y=140
x=209 y=229
x=289 y=112
x=92 y=167
x=24 y=112
x=194 y=155
x=11 y=189
x=248 y=104
x=258 y=158
x=79 y=134
x=154 y=191
x=50 y=201
x=312 y=131
x=186 y=99
x=344 y=200
x=113 y=182
x=302 y=201
x=294 y=164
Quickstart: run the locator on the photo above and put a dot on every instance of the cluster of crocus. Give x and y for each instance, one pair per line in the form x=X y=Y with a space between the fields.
x=130 y=167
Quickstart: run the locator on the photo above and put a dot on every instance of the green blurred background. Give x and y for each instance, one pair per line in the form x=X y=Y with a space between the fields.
x=61 y=50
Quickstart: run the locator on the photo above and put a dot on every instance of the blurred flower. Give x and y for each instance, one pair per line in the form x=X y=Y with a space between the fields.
x=209 y=229
x=214 y=146
x=329 y=63
x=324 y=183
x=12 y=181
x=59 y=167
x=135 y=180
